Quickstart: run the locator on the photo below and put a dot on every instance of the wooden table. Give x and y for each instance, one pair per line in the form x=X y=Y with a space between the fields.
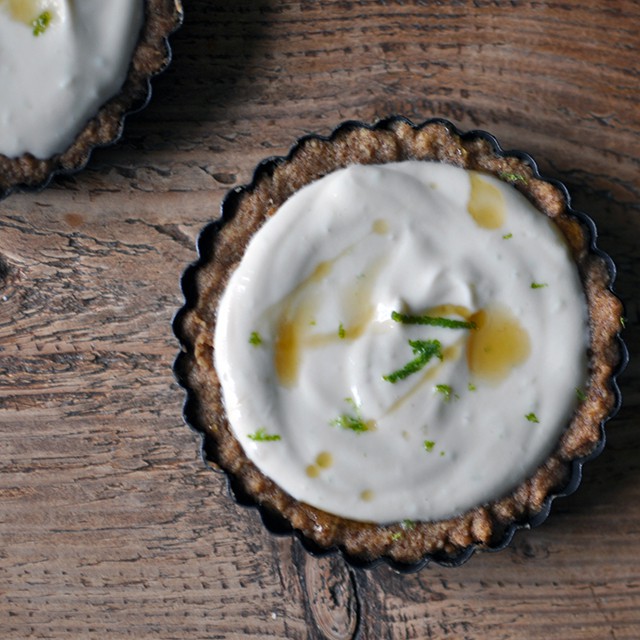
x=111 y=525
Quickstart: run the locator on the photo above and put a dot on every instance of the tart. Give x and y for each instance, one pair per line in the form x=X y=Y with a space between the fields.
x=401 y=342
x=75 y=70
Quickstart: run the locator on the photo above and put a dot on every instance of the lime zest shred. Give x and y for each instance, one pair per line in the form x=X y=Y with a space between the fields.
x=532 y=417
x=41 y=23
x=424 y=350
x=539 y=285
x=471 y=387
x=582 y=396
x=351 y=421
x=623 y=322
x=429 y=445
x=342 y=333
x=408 y=524
x=397 y=535
x=446 y=391
x=433 y=321
x=261 y=435
x=507 y=236
x=511 y=177
x=255 y=339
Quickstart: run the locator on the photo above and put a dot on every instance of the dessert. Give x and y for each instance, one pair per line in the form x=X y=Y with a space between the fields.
x=395 y=350
x=74 y=69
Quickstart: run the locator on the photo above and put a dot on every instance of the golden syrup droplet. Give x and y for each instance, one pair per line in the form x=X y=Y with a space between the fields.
x=324 y=460
x=367 y=495
x=380 y=226
x=486 y=203
x=313 y=471
x=23 y=10
x=497 y=345
x=371 y=425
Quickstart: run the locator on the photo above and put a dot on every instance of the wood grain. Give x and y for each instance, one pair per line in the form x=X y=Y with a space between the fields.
x=110 y=523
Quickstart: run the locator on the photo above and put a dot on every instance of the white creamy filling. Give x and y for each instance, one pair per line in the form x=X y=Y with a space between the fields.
x=57 y=76
x=305 y=338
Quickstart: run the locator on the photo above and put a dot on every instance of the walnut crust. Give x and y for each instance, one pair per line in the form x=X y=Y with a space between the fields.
x=395 y=140
x=150 y=57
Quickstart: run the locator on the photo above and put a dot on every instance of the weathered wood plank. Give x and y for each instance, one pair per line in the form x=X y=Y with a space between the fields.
x=110 y=523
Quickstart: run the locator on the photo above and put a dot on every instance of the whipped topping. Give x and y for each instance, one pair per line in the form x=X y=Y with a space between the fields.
x=345 y=399
x=59 y=62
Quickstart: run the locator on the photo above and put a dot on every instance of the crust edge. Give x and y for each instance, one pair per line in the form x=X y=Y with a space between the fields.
x=151 y=56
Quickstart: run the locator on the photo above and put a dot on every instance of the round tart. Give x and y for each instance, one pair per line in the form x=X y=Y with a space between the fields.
x=75 y=70
x=401 y=342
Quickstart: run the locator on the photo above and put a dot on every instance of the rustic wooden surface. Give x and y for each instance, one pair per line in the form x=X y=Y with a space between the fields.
x=110 y=523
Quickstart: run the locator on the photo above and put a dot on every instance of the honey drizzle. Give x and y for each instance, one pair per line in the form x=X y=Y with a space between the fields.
x=486 y=203
x=26 y=11
x=294 y=329
x=295 y=322
x=499 y=344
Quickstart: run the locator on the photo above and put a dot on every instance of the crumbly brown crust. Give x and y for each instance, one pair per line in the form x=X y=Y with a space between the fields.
x=486 y=525
x=150 y=57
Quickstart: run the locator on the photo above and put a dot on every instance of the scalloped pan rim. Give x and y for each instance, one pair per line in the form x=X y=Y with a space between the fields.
x=275 y=523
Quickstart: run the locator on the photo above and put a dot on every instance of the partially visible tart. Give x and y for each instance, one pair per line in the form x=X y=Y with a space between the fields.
x=307 y=294
x=75 y=70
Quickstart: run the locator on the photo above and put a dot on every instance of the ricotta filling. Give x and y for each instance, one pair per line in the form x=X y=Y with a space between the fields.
x=402 y=342
x=60 y=61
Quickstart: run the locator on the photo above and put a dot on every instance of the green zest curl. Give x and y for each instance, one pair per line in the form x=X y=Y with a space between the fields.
x=41 y=23
x=511 y=177
x=351 y=421
x=424 y=350
x=433 y=321
x=255 y=339
x=446 y=391
x=262 y=436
